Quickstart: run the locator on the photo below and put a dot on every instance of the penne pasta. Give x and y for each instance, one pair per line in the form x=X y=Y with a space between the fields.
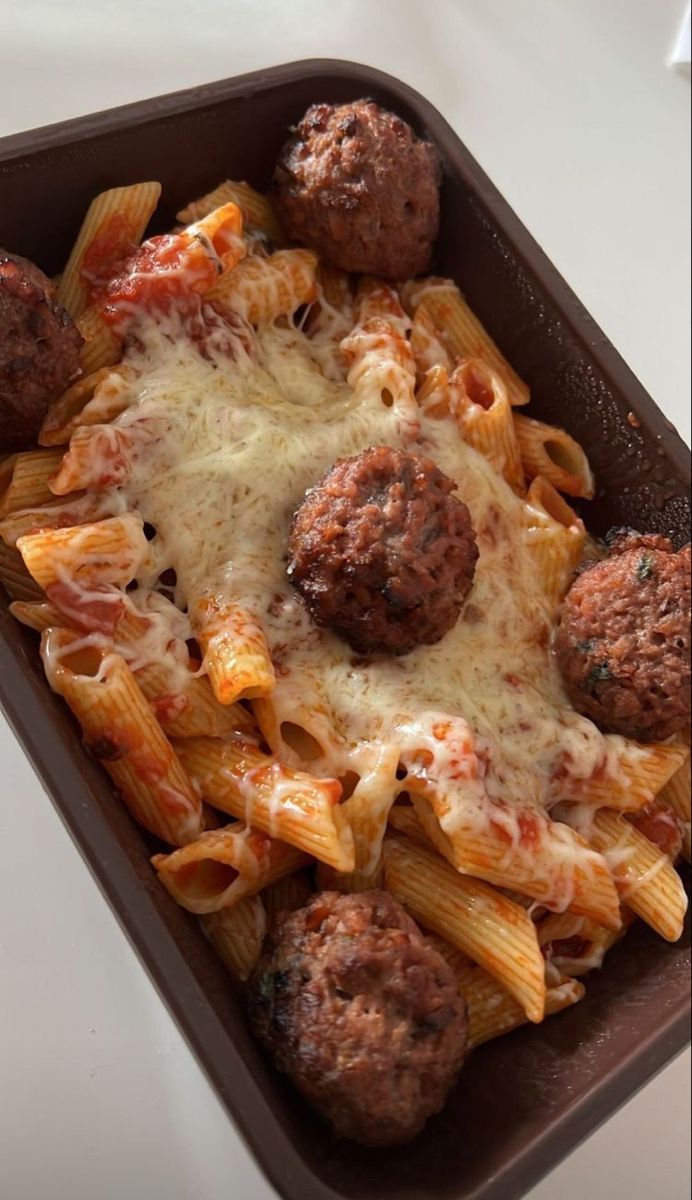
x=58 y=514
x=237 y=934
x=427 y=346
x=120 y=730
x=223 y=866
x=236 y=655
x=461 y=331
x=113 y=226
x=258 y=214
x=105 y=552
x=379 y=355
x=551 y=453
x=92 y=400
x=491 y=929
x=102 y=348
x=286 y=895
x=676 y=793
x=641 y=772
x=574 y=945
x=366 y=811
x=236 y=777
x=36 y=614
x=644 y=876
x=523 y=851
x=24 y=479
x=482 y=407
x=555 y=537
x=262 y=289
x=185 y=705
x=334 y=287
x=98 y=459
x=492 y=1010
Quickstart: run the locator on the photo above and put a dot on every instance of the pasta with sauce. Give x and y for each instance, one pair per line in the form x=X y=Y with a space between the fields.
x=151 y=534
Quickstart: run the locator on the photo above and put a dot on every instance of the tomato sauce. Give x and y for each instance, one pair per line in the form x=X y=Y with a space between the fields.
x=171 y=268
x=113 y=244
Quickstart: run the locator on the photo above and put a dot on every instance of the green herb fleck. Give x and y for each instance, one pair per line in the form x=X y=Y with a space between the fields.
x=599 y=673
x=266 y=986
x=645 y=567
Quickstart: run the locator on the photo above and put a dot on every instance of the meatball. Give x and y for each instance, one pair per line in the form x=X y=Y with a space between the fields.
x=382 y=552
x=623 y=643
x=39 y=350
x=356 y=184
x=363 y=1014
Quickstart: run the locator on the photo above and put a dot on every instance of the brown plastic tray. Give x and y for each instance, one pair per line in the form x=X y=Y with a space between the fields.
x=524 y=1101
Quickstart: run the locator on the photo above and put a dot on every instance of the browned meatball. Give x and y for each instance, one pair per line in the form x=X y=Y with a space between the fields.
x=355 y=183
x=382 y=552
x=363 y=1014
x=623 y=643
x=39 y=350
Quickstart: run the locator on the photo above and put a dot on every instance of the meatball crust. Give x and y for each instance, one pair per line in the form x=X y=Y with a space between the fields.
x=382 y=552
x=39 y=350
x=362 y=1012
x=623 y=643
x=356 y=184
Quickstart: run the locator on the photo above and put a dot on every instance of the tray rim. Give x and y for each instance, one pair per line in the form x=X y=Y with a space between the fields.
x=58 y=769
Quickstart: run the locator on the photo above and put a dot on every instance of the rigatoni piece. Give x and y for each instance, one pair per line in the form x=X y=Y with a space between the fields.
x=552 y=453
x=492 y=930
x=113 y=226
x=262 y=289
x=237 y=934
x=104 y=552
x=121 y=731
x=24 y=479
x=236 y=777
x=644 y=876
x=224 y=865
x=462 y=332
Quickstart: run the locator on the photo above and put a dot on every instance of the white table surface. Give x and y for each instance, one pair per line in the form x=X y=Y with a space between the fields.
x=569 y=106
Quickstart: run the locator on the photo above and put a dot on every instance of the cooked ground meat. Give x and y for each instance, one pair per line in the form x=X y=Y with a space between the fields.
x=355 y=183
x=382 y=552
x=623 y=643
x=39 y=350
x=363 y=1014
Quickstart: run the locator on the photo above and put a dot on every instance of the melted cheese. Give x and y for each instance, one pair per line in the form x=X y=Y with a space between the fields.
x=223 y=448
